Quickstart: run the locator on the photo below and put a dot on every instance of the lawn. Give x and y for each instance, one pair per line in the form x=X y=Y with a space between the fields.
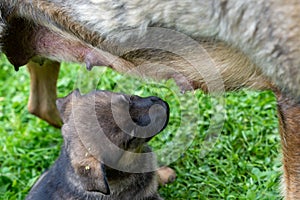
x=221 y=147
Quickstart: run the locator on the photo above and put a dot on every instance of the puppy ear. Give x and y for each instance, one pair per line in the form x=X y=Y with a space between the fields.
x=63 y=104
x=93 y=178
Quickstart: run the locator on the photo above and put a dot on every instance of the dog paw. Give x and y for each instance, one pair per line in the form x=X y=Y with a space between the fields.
x=165 y=175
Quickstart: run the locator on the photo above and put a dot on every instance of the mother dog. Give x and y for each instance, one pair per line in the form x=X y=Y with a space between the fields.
x=249 y=43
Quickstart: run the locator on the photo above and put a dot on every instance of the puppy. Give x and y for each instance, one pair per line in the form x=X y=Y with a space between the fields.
x=105 y=155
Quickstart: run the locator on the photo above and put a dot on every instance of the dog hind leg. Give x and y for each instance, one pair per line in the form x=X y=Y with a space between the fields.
x=289 y=123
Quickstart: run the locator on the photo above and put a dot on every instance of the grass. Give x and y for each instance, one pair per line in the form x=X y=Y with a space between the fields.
x=240 y=161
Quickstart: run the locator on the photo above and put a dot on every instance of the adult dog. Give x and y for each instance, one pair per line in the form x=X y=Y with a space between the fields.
x=248 y=43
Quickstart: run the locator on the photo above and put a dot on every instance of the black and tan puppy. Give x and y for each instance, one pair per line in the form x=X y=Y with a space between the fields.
x=105 y=155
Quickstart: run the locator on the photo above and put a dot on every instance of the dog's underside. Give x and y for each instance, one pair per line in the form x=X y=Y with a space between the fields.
x=252 y=44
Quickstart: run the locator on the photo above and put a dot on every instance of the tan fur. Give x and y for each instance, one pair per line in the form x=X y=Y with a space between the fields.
x=236 y=70
x=252 y=44
x=289 y=119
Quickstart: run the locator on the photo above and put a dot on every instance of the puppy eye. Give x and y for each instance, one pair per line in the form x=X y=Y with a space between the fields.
x=133 y=97
x=129 y=142
x=124 y=145
x=130 y=100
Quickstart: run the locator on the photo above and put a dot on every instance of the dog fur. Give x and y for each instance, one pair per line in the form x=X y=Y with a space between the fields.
x=253 y=44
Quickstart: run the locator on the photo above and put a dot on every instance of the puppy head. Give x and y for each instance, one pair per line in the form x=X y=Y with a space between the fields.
x=100 y=126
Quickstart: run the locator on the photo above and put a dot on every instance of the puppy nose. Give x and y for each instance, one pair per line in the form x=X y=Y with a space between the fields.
x=152 y=98
x=139 y=109
x=139 y=102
